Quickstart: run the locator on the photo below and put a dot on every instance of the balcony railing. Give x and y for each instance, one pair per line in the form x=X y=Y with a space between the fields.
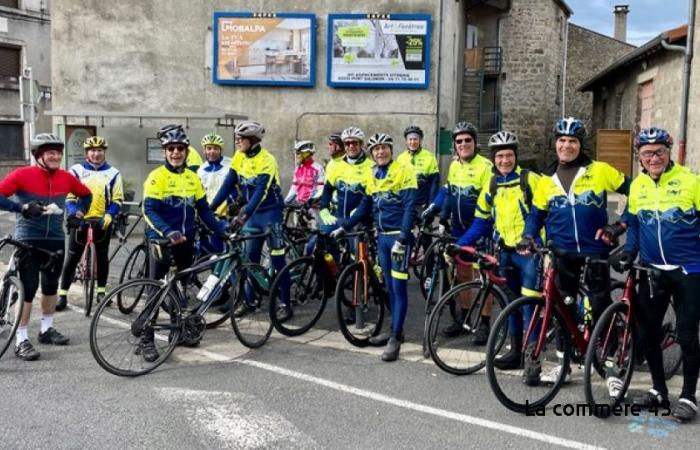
x=486 y=59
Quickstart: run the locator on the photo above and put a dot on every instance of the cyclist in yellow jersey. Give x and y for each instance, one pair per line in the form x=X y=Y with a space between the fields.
x=105 y=183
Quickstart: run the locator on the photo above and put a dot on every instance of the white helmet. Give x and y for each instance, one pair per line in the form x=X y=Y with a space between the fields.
x=304 y=146
x=378 y=139
x=503 y=139
x=353 y=133
x=250 y=129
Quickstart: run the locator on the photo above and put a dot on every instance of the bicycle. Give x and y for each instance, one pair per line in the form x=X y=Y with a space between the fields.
x=487 y=297
x=121 y=229
x=86 y=271
x=312 y=282
x=12 y=290
x=360 y=297
x=610 y=364
x=549 y=327
x=166 y=313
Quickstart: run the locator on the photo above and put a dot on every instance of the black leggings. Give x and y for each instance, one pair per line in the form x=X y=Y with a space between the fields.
x=651 y=310
x=597 y=279
x=32 y=264
x=76 y=246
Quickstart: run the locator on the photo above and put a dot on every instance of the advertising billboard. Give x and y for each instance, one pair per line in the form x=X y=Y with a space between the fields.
x=264 y=49
x=379 y=50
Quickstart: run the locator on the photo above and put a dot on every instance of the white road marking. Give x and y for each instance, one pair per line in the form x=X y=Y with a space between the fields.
x=237 y=420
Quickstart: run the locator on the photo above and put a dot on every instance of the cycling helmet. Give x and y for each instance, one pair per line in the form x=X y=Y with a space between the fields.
x=353 y=133
x=570 y=126
x=503 y=139
x=167 y=128
x=304 y=146
x=653 y=135
x=380 y=138
x=174 y=135
x=213 y=139
x=95 y=142
x=335 y=138
x=44 y=141
x=250 y=129
x=464 y=127
x=413 y=129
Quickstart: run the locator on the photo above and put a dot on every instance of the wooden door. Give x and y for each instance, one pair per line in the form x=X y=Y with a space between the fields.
x=615 y=148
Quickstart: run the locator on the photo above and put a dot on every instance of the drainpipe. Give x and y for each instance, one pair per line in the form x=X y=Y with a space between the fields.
x=437 y=85
x=566 y=58
x=685 y=93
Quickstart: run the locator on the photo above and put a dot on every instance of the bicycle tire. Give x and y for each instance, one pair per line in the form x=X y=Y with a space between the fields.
x=423 y=272
x=458 y=355
x=359 y=318
x=613 y=333
x=11 y=307
x=90 y=278
x=672 y=354
x=136 y=267
x=254 y=328
x=505 y=384
x=308 y=292
x=115 y=337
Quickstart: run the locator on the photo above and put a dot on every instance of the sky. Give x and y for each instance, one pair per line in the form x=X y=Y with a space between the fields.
x=646 y=19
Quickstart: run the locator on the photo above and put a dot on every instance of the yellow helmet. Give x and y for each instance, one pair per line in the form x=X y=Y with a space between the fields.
x=213 y=139
x=95 y=142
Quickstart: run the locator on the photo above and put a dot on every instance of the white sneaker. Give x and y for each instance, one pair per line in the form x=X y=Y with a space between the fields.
x=552 y=376
x=614 y=386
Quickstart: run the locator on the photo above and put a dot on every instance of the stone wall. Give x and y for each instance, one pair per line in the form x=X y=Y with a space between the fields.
x=588 y=53
x=693 y=141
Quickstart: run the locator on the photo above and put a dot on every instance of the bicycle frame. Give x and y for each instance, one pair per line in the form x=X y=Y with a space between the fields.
x=124 y=238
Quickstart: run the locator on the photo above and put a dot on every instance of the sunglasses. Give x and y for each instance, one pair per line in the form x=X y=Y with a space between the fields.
x=464 y=141
x=661 y=152
x=172 y=148
x=352 y=143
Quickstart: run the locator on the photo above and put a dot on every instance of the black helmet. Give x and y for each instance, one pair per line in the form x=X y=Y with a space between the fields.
x=413 y=129
x=174 y=135
x=44 y=141
x=465 y=127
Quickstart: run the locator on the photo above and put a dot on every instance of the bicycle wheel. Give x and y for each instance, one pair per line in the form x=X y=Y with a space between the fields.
x=609 y=363
x=11 y=307
x=520 y=389
x=136 y=267
x=89 y=277
x=671 y=348
x=430 y=260
x=308 y=293
x=250 y=312
x=116 y=338
x=360 y=300
x=458 y=352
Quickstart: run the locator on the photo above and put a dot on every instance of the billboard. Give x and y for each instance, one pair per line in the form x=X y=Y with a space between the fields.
x=264 y=49
x=379 y=50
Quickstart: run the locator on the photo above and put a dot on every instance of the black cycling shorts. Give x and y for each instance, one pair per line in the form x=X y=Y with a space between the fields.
x=32 y=266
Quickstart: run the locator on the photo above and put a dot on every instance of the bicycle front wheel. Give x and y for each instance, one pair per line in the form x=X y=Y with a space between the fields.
x=609 y=364
x=11 y=307
x=359 y=301
x=89 y=277
x=525 y=386
x=136 y=343
x=459 y=325
x=136 y=267
x=308 y=293
x=671 y=348
x=250 y=312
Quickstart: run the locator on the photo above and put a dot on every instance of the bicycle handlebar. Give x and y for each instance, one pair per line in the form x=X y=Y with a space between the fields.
x=53 y=256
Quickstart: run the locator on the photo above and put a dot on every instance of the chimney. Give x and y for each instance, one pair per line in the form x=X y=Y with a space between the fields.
x=621 y=22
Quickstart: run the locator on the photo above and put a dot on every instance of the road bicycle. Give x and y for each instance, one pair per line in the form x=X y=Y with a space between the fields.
x=86 y=270
x=166 y=312
x=610 y=364
x=12 y=290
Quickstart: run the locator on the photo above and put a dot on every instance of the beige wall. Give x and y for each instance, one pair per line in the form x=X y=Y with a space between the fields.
x=693 y=142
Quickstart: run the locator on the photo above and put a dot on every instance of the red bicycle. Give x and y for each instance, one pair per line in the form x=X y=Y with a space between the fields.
x=86 y=271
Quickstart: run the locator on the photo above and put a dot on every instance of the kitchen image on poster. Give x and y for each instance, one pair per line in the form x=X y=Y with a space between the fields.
x=264 y=49
x=388 y=52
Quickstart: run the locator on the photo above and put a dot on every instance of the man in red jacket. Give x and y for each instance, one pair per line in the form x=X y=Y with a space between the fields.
x=34 y=188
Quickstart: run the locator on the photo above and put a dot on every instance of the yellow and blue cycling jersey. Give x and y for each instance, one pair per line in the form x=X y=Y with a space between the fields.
x=428 y=175
x=572 y=219
x=348 y=180
x=171 y=200
x=256 y=175
x=507 y=210
x=105 y=184
x=662 y=219
x=194 y=160
x=465 y=181
x=391 y=196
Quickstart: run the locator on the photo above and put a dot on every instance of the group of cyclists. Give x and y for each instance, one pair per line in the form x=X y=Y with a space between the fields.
x=366 y=182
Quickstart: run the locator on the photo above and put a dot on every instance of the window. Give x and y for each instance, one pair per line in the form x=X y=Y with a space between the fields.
x=10 y=3
x=10 y=64
x=11 y=141
x=646 y=103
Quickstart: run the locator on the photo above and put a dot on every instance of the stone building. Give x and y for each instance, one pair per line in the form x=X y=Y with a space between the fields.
x=693 y=125
x=641 y=89
x=126 y=68
x=25 y=77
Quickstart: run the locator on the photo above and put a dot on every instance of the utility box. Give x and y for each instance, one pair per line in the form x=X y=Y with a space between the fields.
x=445 y=142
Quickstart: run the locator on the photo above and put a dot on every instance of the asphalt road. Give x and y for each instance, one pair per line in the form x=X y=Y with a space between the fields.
x=315 y=391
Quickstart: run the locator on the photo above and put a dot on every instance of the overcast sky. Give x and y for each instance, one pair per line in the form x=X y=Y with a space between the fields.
x=646 y=19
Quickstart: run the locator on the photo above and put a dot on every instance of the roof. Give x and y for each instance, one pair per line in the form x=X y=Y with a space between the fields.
x=672 y=36
x=562 y=4
x=610 y=38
